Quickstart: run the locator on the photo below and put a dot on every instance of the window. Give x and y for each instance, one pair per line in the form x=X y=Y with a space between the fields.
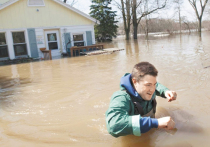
x=78 y=37
x=52 y=41
x=19 y=43
x=78 y=40
x=35 y=2
x=3 y=46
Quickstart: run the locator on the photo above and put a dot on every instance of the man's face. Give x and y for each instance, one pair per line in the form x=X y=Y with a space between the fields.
x=145 y=87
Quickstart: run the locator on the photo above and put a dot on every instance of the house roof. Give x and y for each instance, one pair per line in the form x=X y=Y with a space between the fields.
x=10 y=2
x=7 y=3
x=75 y=10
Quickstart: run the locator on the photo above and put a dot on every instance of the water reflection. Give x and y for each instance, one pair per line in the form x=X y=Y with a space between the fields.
x=62 y=102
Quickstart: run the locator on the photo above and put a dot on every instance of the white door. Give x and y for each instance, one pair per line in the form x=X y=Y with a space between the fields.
x=53 y=42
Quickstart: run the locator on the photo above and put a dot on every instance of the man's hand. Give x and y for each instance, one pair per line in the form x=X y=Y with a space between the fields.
x=170 y=95
x=166 y=122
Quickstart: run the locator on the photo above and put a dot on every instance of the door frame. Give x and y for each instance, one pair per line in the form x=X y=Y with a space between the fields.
x=58 y=39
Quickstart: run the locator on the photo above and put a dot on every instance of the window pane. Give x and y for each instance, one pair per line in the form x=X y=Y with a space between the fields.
x=79 y=44
x=18 y=37
x=20 y=49
x=53 y=45
x=78 y=37
x=2 y=39
x=3 y=51
x=52 y=37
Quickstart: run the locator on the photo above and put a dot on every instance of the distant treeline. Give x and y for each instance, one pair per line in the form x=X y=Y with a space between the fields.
x=165 y=25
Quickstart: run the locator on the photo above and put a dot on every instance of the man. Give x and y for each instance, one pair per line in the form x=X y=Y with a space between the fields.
x=132 y=109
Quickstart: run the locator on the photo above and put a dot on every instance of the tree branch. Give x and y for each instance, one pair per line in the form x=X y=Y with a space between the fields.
x=193 y=4
x=118 y=5
x=139 y=3
x=201 y=4
x=149 y=12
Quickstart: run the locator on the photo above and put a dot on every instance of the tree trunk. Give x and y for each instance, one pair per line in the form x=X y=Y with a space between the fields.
x=135 y=29
x=135 y=23
x=147 y=32
x=126 y=17
x=127 y=34
x=180 y=24
x=146 y=20
x=128 y=7
x=199 y=26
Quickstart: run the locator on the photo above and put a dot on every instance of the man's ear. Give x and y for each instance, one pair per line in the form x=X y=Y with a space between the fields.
x=133 y=80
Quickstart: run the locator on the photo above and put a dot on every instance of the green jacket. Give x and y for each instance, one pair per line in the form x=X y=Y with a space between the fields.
x=120 y=118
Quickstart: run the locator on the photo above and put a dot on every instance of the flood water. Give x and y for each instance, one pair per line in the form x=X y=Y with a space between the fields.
x=62 y=102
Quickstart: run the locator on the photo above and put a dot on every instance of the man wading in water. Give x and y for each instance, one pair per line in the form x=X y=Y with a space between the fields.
x=132 y=109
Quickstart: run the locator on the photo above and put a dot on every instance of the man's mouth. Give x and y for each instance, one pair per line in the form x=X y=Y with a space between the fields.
x=149 y=93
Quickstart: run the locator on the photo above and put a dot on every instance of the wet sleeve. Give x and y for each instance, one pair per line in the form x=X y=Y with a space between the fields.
x=160 y=90
x=148 y=123
x=118 y=120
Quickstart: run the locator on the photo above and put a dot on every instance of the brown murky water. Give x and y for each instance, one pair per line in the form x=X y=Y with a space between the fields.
x=62 y=102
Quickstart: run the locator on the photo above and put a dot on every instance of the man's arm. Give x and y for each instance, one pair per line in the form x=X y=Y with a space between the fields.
x=170 y=95
x=120 y=123
x=160 y=90
x=165 y=92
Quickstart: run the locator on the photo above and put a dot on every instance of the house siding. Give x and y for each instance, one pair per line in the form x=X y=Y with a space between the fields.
x=62 y=31
x=40 y=32
x=52 y=14
x=20 y=17
x=78 y=30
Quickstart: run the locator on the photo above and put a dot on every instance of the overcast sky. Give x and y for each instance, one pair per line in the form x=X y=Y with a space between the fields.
x=187 y=10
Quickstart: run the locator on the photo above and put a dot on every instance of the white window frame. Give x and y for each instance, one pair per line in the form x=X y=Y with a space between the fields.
x=79 y=33
x=36 y=5
x=20 y=43
x=3 y=58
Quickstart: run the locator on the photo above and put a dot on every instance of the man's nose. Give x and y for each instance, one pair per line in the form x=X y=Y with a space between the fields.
x=152 y=88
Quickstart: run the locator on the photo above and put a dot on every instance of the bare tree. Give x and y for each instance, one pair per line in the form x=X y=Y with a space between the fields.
x=125 y=7
x=178 y=4
x=135 y=27
x=187 y=23
x=202 y=7
x=132 y=12
x=146 y=17
x=143 y=8
x=208 y=9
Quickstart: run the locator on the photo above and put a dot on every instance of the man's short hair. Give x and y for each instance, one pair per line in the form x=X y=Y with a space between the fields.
x=143 y=68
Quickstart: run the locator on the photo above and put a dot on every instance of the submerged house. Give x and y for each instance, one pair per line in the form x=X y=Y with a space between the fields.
x=28 y=25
